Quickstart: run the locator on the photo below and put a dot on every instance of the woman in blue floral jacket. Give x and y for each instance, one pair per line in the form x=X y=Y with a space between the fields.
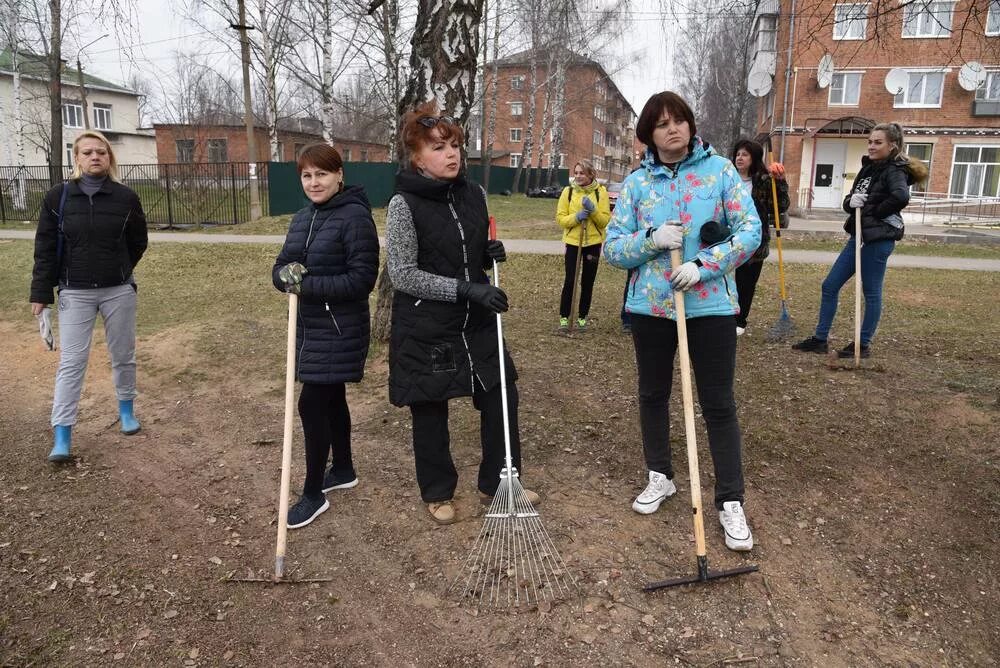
x=685 y=196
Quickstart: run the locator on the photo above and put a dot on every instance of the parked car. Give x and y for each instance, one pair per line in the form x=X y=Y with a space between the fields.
x=551 y=192
x=613 y=190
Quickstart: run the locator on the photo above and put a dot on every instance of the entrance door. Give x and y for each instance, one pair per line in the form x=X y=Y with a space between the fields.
x=828 y=177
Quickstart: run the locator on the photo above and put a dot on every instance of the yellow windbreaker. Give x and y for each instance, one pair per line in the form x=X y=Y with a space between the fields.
x=571 y=202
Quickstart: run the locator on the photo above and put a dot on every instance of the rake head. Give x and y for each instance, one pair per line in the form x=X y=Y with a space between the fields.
x=782 y=329
x=513 y=561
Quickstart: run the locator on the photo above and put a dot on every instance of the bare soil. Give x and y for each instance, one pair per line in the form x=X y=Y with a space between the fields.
x=873 y=496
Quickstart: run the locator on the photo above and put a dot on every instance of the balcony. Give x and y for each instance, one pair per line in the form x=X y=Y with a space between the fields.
x=986 y=108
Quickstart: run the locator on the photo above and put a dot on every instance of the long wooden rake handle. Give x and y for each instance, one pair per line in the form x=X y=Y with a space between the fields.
x=857 y=288
x=689 y=432
x=777 y=230
x=286 y=445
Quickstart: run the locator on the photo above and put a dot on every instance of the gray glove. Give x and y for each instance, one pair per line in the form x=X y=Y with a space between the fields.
x=587 y=204
x=669 y=235
x=291 y=275
x=858 y=200
x=582 y=215
x=685 y=276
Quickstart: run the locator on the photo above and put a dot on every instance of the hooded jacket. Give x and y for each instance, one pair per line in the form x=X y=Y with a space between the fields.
x=338 y=244
x=571 y=203
x=103 y=239
x=704 y=187
x=444 y=349
x=887 y=183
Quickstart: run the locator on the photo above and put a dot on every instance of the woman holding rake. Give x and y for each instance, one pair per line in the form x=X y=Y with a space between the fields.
x=444 y=337
x=685 y=197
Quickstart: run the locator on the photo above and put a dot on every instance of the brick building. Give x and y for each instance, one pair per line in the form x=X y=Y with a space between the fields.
x=843 y=62
x=184 y=143
x=598 y=123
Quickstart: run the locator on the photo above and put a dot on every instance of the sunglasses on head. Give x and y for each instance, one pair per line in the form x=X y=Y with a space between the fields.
x=431 y=121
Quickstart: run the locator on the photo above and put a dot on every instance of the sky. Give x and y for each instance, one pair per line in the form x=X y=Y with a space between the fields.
x=639 y=67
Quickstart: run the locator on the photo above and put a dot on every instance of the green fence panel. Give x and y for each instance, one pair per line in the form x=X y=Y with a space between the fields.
x=502 y=178
x=378 y=179
x=284 y=191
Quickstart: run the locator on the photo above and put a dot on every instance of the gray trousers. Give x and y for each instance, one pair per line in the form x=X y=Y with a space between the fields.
x=78 y=310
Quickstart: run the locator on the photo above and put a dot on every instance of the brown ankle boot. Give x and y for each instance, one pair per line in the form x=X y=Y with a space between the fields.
x=442 y=512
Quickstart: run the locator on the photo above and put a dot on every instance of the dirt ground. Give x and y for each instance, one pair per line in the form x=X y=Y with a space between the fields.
x=873 y=496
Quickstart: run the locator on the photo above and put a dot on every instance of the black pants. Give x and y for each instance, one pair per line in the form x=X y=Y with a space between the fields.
x=436 y=474
x=747 y=275
x=712 y=345
x=591 y=256
x=326 y=423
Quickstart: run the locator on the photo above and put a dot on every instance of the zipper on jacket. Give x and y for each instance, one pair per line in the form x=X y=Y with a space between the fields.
x=332 y=317
x=465 y=269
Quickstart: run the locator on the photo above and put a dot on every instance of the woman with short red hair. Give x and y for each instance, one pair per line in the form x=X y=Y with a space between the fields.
x=444 y=336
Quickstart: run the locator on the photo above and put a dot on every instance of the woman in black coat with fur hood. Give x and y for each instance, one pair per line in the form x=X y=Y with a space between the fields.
x=330 y=259
x=881 y=191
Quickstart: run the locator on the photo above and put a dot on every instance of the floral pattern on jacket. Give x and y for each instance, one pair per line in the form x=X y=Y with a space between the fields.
x=705 y=187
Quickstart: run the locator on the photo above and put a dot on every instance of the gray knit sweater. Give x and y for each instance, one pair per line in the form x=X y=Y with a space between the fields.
x=401 y=246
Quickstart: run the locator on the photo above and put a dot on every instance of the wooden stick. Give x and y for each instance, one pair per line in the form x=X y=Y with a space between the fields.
x=777 y=229
x=688 y=397
x=857 y=288
x=577 y=278
x=286 y=445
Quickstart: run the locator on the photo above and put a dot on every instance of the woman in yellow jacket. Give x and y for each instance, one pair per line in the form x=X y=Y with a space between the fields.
x=583 y=213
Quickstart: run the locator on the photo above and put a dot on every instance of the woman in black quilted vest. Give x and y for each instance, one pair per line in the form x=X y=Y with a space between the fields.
x=330 y=259
x=444 y=337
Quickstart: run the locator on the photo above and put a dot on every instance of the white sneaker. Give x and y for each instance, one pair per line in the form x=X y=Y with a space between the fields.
x=740 y=330
x=658 y=489
x=734 y=523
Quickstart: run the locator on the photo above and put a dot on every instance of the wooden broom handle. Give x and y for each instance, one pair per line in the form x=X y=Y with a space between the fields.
x=857 y=287
x=286 y=444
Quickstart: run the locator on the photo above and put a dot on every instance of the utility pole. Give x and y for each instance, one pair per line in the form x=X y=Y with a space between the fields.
x=55 y=93
x=242 y=27
x=79 y=78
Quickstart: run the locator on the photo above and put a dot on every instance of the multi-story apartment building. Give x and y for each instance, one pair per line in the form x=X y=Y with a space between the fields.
x=931 y=65
x=598 y=122
x=112 y=109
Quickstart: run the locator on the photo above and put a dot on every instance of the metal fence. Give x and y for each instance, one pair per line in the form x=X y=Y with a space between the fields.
x=173 y=195
x=932 y=208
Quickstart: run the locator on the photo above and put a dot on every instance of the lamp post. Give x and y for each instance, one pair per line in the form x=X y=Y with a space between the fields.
x=79 y=77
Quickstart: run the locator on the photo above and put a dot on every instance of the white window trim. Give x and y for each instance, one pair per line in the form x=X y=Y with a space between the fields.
x=78 y=114
x=989 y=73
x=954 y=154
x=515 y=157
x=917 y=70
x=511 y=135
x=861 y=78
x=929 y=164
x=993 y=10
x=102 y=108
x=947 y=35
x=520 y=105
x=864 y=22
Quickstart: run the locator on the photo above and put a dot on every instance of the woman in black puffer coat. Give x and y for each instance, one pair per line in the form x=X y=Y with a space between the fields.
x=881 y=190
x=330 y=259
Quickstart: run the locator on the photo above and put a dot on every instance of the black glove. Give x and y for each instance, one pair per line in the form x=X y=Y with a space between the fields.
x=495 y=251
x=484 y=294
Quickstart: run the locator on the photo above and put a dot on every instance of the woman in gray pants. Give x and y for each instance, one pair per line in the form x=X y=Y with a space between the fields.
x=91 y=235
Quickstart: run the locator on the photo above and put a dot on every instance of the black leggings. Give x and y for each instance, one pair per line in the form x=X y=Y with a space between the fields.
x=747 y=275
x=712 y=345
x=326 y=423
x=591 y=256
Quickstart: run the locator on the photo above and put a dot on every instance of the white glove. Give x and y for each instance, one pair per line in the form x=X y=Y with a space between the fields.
x=669 y=235
x=685 y=276
x=858 y=200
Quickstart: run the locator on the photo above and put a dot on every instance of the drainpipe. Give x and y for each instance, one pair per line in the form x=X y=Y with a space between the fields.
x=788 y=77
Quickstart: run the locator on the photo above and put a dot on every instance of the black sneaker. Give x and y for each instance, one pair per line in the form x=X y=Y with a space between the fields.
x=334 y=480
x=811 y=345
x=848 y=351
x=306 y=510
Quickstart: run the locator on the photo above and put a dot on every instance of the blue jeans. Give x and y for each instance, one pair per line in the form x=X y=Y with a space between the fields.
x=874 y=257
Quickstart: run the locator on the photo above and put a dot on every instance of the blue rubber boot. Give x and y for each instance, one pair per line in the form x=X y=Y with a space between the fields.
x=63 y=436
x=125 y=411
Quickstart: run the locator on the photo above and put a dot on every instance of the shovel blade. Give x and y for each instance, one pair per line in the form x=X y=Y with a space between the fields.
x=704 y=576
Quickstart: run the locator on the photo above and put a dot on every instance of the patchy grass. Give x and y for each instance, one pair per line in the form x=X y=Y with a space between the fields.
x=905 y=247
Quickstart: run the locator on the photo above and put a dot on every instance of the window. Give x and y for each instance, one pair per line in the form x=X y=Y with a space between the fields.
x=993 y=19
x=517 y=83
x=218 y=150
x=769 y=107
x=281 y=151
x=347 y=155
x=767 y=33
x=922 y=90
x=516 y=108
x=850 y=21
x=609 y=139
x=364 y=155
x=975 y=171
x=598 y=163
x=921 y=152
x=562 y=160
x=927 y=19
x=69 y=154
x=102 y=116
x=515 y=159
x=845 y=88
x=185 y=150
x=990 y=90
x=72 y=115
x=515 y=134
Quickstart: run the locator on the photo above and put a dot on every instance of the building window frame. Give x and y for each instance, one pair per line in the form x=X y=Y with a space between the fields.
x=102 y=116
x=218 y=149
x=516 y=109
x=184 y=150
x=515 y=135
x=767 y=33
x=844 y=89
x=903 y=101
x=850 y=21
x=993 y=19
x=69 y=153
x=990 y=90
x=517 y=82
x=981 y=171
x=928 y=19
x=72 y=113
x=920 y=188
x=515 y=160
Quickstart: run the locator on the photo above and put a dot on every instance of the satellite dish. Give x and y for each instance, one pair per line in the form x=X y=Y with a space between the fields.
x=896 y=80
x=824 y=73
x=972 y=75
x=759 y=83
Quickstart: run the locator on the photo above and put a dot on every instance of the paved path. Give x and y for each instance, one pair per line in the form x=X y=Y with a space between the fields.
x=543 y=247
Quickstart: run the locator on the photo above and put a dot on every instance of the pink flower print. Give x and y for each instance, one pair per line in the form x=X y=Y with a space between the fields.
x=657 y=310
x=703 y=294
x=715 y=288
x=687 y=198
x=689 y=177
x=685 y=217
x=696 y=182
x=733 y=205
x=673 y=187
